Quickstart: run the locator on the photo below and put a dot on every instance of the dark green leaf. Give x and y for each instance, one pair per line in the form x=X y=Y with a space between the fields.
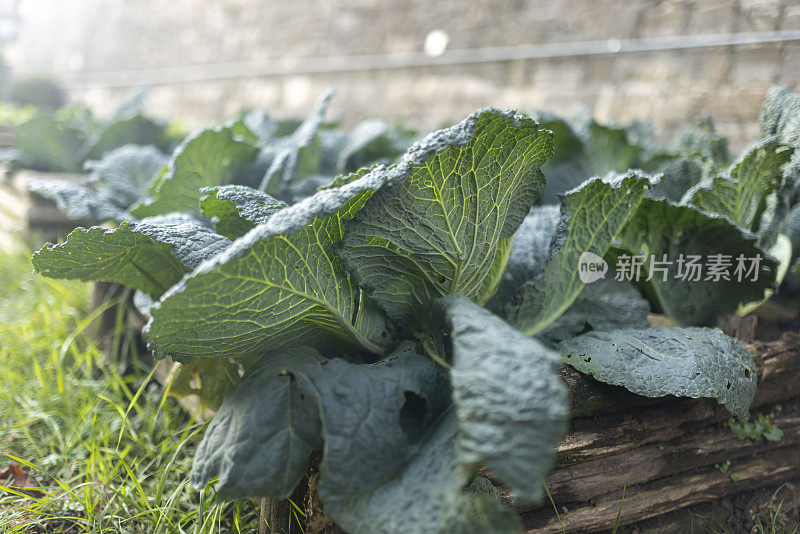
x=260 y=442
x=662 y=228
x=511 y=404
x=660 y=361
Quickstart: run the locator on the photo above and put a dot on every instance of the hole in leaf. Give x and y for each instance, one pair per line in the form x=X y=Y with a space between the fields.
x=440 y=279
x=412 y=417
x=728 y=385
x=588 y=359
x=586 y=328
x=747 y=373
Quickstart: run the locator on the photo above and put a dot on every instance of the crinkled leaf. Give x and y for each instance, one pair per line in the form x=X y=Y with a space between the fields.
x=426 y=498
x=435 y=229
x=780 y=115
x=373 y=418
x=605 y=304
x=79 y=202
x=529 y=252
x=135 y=130
x=237 y=208
x=261 y=439
x=511 y=404
x=659 y=361
x=661 y=227
x=150 y=255
x=54 y=144
x=741 y=195
x=591 y=218
x=278 y=283
x=127 y=172
x=206 y=158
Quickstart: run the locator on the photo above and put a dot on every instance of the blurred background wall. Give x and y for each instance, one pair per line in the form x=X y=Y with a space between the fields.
x=205 y=59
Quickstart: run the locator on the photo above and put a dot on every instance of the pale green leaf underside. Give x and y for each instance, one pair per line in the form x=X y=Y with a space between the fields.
x=150 y=255
x=660 y=361
x=205 y=159
x=436 y=228
x=511 y=404
x=741 y=195
x=592 y=217
x=275 y=285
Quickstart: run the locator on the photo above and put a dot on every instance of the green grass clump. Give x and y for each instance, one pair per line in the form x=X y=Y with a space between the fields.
x=108 y=452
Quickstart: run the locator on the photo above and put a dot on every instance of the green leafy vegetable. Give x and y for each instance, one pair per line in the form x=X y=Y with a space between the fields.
x=207 y=158
x=436 y=227
x=591 y=218
x=261 y=440
x=741 y=195
x=509 y=399
x=237 y=208
x=688 y=239
x=659 y=361
x=285 y=283
x=150 y=255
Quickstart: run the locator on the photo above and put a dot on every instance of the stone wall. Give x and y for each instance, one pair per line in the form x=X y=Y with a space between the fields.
x=92 y=44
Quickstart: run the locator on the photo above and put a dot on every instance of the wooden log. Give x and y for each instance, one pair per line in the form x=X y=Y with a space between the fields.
x=663 y=451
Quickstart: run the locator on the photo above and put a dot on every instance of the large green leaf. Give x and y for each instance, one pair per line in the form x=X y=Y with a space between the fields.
x=126 y=173
x=435 y=229
x=261 y=439
x=511 y=404
x=207 y=158
x=150 y=255
x=426 y=498
x=780 y=115
x=741 y=196
x=277 y=284
x=660 y=361
x=54 y=144
x=374 y=417
x=237 y=208
x=661 y=228
x=591 y=218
